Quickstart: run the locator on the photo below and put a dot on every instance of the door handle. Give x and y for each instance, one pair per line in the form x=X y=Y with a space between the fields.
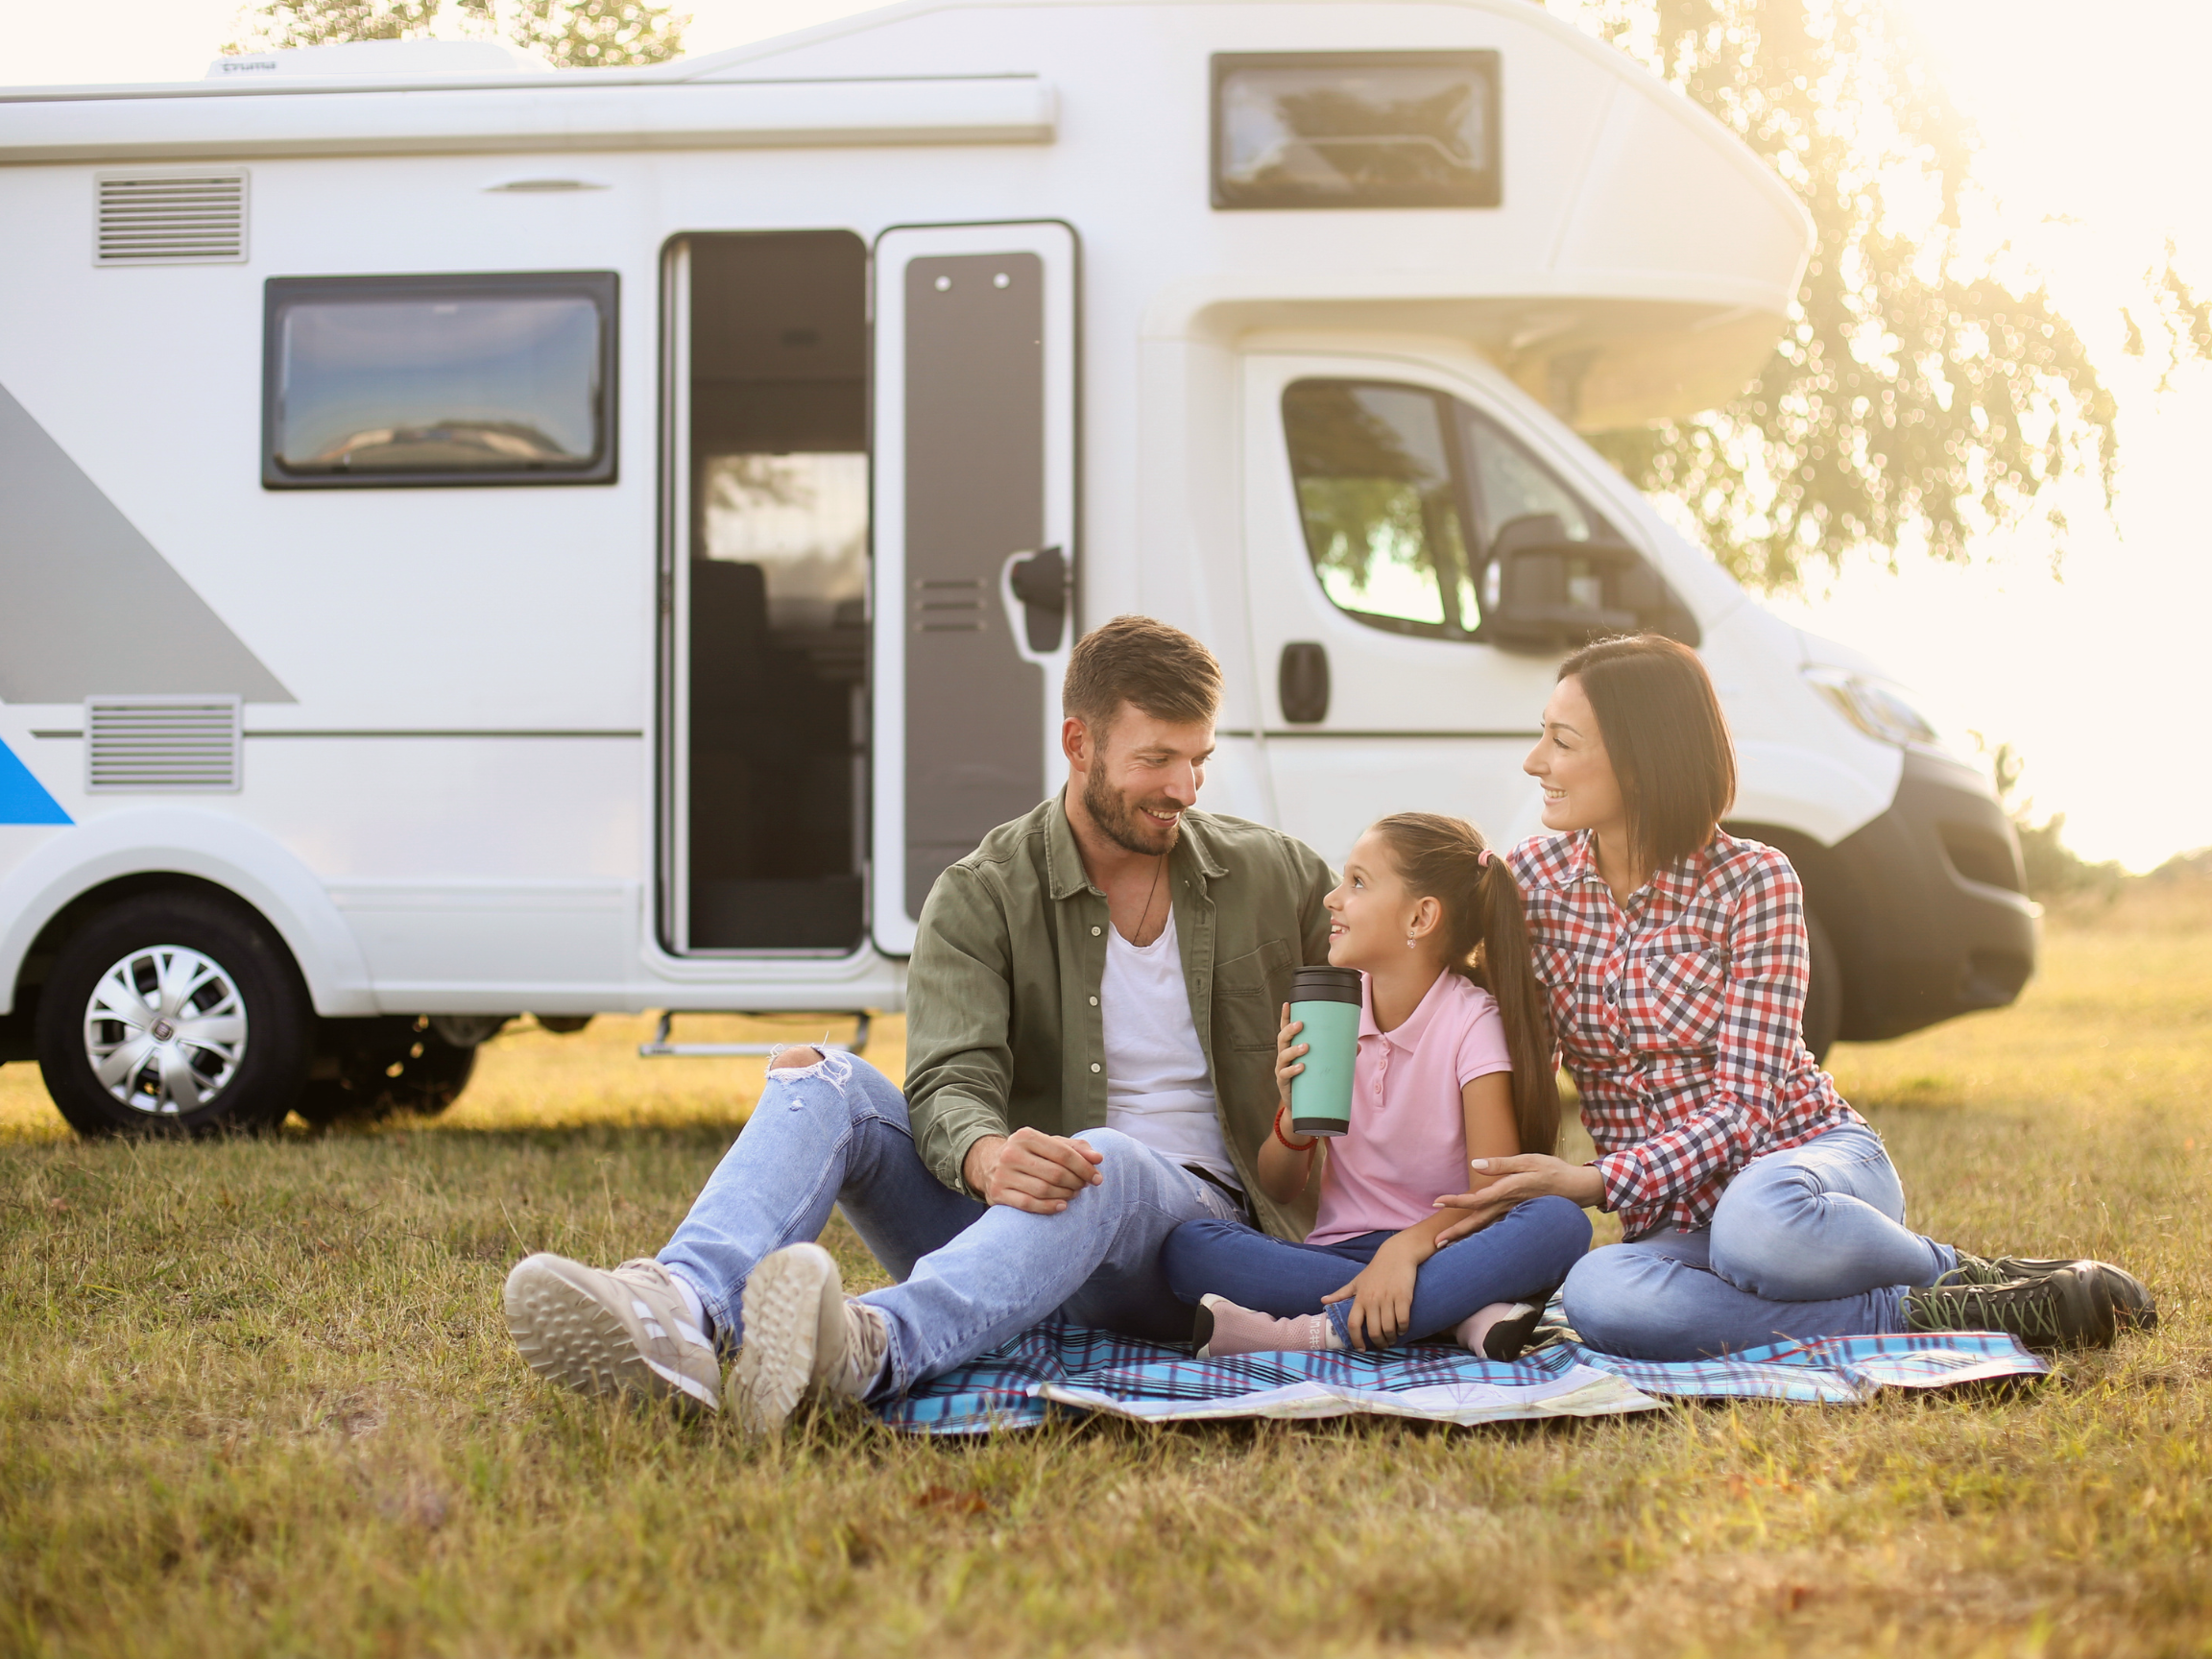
x=1302 y=682
x=1041 y=581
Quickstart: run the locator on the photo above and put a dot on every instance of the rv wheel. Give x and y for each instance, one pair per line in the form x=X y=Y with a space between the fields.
x=173 y=1013
x=370 y=1069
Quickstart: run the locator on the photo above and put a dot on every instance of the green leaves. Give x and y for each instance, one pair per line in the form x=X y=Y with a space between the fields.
x=597 y=34
x=570 y=34
x=1920 y=397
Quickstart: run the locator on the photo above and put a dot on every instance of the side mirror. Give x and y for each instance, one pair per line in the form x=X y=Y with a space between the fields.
x=1555 y=594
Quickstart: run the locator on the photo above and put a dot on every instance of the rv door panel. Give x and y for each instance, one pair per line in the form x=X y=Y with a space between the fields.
x=974 y=445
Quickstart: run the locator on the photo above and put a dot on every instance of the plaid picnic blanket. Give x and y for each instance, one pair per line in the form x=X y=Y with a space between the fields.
x=1063 y=1367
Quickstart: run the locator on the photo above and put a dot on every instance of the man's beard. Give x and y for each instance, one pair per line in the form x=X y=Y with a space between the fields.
x=1124 y=822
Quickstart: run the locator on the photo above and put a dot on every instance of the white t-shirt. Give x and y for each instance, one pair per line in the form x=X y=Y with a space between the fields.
x=1157 y=1089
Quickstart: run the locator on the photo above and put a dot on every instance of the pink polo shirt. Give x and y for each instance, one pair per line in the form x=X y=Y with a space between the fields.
x=1406 y=1146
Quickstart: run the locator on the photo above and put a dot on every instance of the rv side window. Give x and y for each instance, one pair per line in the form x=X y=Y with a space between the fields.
x=1355 y=130
x=1380 y=501
x=417 y=380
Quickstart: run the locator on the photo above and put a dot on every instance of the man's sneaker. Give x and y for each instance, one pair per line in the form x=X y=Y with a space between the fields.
x=2132 y=1303
x=2066 y=1309
x=627 y=1332
x=802 y=1333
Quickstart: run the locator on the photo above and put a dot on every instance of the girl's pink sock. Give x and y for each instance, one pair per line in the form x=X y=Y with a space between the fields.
x=1224 y=1328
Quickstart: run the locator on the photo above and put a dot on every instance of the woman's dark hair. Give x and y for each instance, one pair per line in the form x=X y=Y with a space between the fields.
x=1669 y=742
x=1486 y=939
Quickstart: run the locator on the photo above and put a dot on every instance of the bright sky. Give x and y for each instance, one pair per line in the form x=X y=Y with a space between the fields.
x=2091 y=138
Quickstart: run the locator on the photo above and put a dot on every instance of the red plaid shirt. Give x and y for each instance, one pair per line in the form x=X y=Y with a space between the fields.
x=1680 y=1017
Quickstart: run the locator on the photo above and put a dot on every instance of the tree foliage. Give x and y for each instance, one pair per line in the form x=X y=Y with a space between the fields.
x=1917 y=395
x=570 y=34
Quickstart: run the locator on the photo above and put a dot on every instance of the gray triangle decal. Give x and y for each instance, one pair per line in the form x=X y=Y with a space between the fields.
x=87 y=606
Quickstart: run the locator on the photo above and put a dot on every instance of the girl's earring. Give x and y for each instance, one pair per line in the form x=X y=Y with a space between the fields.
x=1409 y=941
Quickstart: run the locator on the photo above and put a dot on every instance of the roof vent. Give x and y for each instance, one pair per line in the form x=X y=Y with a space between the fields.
x=161 y=745
x=196 y=218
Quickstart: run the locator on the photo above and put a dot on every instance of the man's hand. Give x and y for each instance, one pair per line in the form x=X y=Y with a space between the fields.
x=1515 y=1181
x=1031 y=1170
x=1381 y=1295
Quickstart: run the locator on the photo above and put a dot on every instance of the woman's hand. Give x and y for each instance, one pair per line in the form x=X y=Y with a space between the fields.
x=1382 y=1294
x=1289 y=1055
x=1515 y=1181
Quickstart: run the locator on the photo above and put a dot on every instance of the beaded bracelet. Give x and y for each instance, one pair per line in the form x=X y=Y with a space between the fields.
x=1312 y=1141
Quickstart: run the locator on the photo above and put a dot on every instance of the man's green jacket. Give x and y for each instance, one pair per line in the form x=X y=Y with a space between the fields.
x=1003 y=1025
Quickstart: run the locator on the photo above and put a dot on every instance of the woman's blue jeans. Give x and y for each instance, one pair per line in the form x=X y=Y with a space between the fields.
x=1804 y=1243
x=1521 y=1257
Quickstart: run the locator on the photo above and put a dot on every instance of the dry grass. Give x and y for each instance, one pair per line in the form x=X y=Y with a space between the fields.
x=257 y=1399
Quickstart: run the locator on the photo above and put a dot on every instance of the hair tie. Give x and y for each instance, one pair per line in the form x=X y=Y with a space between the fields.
x=1483 y=858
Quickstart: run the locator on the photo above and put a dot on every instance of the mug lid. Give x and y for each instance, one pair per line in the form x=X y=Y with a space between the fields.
x=1325 y=984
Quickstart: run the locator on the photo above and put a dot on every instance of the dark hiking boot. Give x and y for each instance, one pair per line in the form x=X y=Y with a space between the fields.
x=2066 y=1309
x=2132 y=1303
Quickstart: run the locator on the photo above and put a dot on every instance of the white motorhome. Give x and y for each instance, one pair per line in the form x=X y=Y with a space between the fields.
x=476 y=540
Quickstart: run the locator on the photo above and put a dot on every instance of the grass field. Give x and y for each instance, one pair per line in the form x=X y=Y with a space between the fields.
x=256 y=1398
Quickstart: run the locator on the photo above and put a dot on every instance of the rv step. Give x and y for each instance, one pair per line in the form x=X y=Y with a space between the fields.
x=660 y=1048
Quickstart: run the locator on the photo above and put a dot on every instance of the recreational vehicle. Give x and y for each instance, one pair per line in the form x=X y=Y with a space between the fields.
x=477 y=539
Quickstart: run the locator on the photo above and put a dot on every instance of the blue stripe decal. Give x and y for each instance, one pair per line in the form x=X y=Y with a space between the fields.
x=23 y=799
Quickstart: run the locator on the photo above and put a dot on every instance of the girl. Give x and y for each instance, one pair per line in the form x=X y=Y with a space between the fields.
x=1454 y=1057
x=1758 y=1206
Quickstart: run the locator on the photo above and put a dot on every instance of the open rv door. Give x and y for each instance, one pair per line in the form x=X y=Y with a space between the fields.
x=973 y=401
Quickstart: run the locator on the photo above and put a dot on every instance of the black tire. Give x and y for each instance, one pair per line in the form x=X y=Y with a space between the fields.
x=1824 y=994
x=237 y=988
x=394 y=1063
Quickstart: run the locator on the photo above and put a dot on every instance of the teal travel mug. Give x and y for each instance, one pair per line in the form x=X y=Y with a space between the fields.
x=1327 y=1000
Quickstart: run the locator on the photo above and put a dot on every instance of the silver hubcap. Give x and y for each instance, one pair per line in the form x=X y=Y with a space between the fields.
x=165 y=1029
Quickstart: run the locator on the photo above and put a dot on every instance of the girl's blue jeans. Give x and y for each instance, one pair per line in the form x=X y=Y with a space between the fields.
x=1521 y=1257
x=1804 y=1243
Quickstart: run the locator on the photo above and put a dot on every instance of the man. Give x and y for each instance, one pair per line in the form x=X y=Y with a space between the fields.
x=1091 y=1008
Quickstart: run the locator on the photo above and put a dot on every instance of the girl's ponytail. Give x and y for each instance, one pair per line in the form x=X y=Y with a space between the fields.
x=1508 y=974
x=1488 y=941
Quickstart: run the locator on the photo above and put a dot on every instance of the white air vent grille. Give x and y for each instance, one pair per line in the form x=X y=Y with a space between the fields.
x=161 y=745
x=171 y=218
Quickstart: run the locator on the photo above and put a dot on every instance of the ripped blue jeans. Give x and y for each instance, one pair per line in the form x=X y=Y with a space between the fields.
x=835 y=1135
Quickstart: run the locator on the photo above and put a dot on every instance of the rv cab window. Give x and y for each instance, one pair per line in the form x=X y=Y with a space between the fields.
x=414 y=380
x=1379 y=502
x=1404 y=493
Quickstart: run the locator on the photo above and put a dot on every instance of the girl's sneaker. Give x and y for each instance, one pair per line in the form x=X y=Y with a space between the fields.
x=1499 y=1330
x=1222 y=1329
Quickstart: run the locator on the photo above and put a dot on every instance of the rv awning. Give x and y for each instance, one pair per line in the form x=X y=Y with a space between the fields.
x=535 y=114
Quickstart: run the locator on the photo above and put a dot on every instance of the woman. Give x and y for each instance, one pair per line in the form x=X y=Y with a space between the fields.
x=1756 y=1205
